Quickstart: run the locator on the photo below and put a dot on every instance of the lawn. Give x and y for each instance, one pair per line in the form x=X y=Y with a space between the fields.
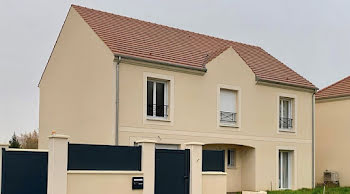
x=318 y=190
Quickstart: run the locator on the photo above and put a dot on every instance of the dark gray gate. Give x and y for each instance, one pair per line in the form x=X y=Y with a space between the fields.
x=172 y=171
x=24 y=172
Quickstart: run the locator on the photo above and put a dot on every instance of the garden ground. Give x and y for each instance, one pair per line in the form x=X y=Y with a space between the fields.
x=317 y=190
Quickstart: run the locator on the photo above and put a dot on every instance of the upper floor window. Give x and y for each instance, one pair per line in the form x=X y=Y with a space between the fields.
x=286 y=113
x=157 y=98
x=228 y=106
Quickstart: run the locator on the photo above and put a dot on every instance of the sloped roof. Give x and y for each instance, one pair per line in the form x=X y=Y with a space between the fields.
x=136 y=38
x=338 y=89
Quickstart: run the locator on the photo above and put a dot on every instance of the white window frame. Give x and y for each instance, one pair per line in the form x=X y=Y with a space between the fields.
x=293 y=112
x=290 y=111
x=231 y=161
x=290 y=107
x=280 y=178
x=150 y=120
x=224 y=126
x=234 y=105
x=293 y=168
x=155 y=81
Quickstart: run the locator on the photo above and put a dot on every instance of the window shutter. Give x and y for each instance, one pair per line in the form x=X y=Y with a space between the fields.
x=227 y=101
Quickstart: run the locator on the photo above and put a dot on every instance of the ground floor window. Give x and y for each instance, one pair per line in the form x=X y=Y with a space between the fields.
x=231 y=156
x=285 y=169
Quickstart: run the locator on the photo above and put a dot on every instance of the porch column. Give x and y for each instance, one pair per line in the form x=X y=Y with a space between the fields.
x=195 y=167
x=57 y=166
x=2 y=146
x=148 y=165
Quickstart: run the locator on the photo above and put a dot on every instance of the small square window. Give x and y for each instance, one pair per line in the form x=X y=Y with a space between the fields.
x=231 y=158
x=157 y=98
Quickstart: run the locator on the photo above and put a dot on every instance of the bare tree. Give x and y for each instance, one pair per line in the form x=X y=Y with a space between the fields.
x=29 y=140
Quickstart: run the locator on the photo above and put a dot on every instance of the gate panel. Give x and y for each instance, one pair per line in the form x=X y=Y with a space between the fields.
x=172 y=171
x=213 y=160
x=24 y=172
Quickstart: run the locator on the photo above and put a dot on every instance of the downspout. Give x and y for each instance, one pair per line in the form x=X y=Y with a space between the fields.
x=117 y=60
x=313 y=139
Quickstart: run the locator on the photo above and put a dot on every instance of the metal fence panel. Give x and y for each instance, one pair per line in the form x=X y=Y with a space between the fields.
x=103 y=157
x=213 y=160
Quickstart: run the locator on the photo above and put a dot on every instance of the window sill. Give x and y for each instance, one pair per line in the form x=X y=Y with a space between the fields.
x=284 y=189
x=228 y=125
x=163 y=119
x=286 y=130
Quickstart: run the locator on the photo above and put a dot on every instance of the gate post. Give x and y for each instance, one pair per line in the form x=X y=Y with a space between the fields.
x=148 y=164
x=57 y=167
x=195 y=167
x=2 y=146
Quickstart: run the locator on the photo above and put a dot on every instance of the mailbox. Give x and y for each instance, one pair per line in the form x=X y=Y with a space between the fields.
x=137 y=182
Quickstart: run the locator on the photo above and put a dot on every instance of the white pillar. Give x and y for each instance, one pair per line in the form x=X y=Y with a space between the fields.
x=5 y=146
x=148 y=165
x=195 y=167
x=57 y=167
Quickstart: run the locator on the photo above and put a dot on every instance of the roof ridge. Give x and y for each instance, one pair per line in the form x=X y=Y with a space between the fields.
x=341 y=80
x=174 y=28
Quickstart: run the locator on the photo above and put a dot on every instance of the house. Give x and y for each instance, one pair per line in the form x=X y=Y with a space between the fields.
x=116 y=80
x=332 y=131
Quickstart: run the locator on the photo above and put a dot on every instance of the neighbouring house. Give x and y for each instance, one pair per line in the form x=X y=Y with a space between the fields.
x=115 y=80
x=333 y=131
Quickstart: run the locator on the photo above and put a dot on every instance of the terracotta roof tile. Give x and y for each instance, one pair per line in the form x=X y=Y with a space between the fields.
x=151 y=41
x=338 y=89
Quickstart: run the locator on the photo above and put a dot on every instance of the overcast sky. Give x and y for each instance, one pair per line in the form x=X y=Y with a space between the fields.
x=310 y=36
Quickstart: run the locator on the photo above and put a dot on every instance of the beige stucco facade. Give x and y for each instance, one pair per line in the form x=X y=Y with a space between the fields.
x=197 y=120
x=332 y=138
x=78 y=98
x=101 y=182
x=77 y=90
x=214 y=183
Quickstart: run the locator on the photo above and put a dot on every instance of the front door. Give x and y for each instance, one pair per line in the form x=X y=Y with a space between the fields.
x=172 y=171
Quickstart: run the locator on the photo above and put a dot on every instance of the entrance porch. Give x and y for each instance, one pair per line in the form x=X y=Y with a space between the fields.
x=239 y=166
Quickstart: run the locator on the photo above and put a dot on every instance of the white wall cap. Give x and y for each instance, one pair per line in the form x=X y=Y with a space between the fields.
x=26 y=150
x=104 y=172
x=58 y=136
x=145 y=141
x=194 y=143
x=214 y=173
